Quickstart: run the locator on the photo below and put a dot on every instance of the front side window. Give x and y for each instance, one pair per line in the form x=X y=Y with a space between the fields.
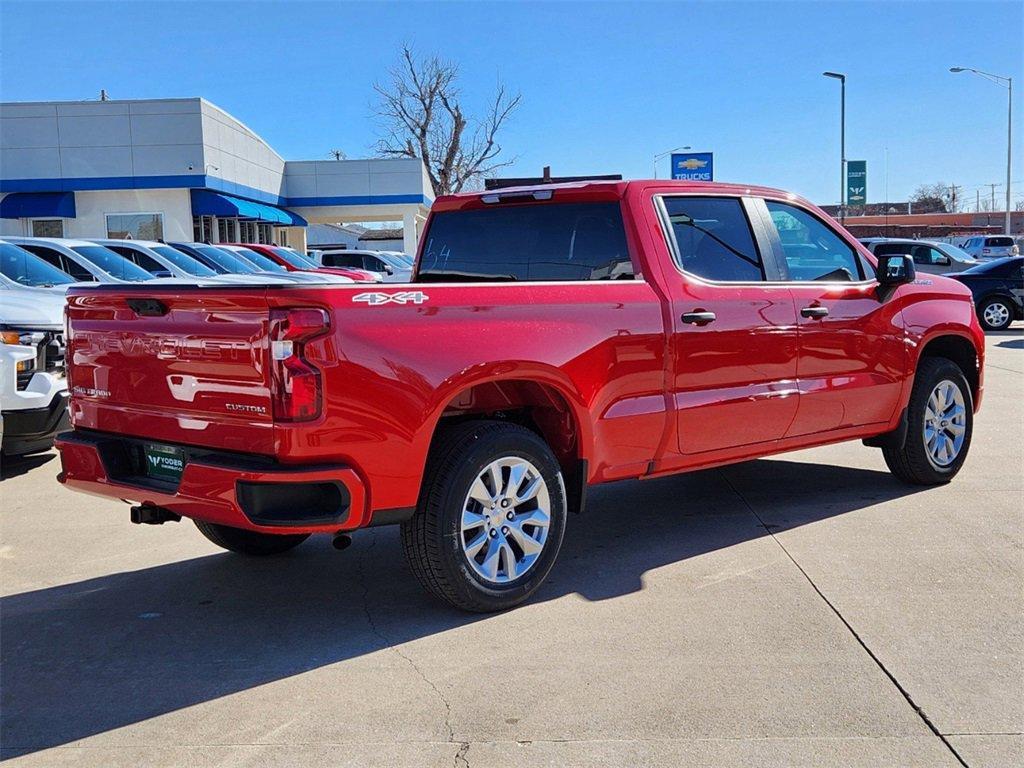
x=184 y=262
x=928 y=256
x=543 y=241
x=137 y=226
x=112 y=263
x=812 y=250
x=713 y=238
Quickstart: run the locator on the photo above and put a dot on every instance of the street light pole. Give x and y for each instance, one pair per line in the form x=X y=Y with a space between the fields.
x=1008 y=83
x=660 y=155
x=842 y=142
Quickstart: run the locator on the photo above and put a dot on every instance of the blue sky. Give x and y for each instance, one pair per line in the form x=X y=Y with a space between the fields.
x=605 y=86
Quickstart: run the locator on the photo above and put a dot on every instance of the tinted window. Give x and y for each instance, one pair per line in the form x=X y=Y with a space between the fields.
x=713 y=238
x=262 y=263
x=183 y=262
x=111 y=263
x=22 y=267
x=342 y=260
x=884 y=249
x=811 y=249
x=998 y=242
x=226 y=260
x=141 y=259
x=61 y=262
x=546 y=241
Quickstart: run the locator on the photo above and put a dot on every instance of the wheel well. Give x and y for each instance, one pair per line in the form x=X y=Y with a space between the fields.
x=960 y=351
x=536 y=406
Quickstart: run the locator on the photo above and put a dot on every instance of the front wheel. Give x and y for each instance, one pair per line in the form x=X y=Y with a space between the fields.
x=940 y=420
x=249 y=542
x=995 y=314
x=490 y=519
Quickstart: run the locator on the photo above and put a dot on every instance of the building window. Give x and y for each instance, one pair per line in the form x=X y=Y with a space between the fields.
x=202 y=228
x=135 y=226
x=247 y=232
x=226 y=230
x=266 y=233
x=281 y=237
x=47 y=227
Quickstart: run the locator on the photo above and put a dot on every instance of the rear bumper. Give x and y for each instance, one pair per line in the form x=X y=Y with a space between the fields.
x=219 y=488
x=33 y=429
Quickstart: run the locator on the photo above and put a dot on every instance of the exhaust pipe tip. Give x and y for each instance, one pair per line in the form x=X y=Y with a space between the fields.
x=147 y=514
x=341 y=541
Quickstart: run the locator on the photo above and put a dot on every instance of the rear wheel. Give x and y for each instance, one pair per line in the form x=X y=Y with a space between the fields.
x=995 y=314
x=940 y=420
x=490 y=519
x=249 y=542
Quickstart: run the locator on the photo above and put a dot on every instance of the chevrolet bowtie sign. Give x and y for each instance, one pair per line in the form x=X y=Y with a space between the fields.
x=693 y=166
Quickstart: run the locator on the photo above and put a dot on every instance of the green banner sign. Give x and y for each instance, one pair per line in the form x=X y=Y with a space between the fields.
x=856 y=182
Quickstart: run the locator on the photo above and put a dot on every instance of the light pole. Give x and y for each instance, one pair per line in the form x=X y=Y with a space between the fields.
x=842 y=142
x=666 y=153
x=1008 y=83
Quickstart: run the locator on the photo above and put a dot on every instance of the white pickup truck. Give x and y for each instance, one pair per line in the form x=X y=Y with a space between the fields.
x=33 y=387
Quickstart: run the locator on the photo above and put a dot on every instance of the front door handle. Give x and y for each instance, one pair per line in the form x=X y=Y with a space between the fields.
x=814 y=312
x=698 y=318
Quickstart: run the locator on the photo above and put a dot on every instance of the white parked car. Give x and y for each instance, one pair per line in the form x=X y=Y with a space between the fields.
x=393 y=268
x=991 y=247
x=33 y=388
x=20 y=269
x=932 y=256
x=83 y=260
x=161 y=261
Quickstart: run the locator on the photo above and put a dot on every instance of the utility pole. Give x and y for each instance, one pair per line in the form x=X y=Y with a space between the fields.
x=993 y=186
x=952 y=197
x=103 y=95
x=977 y=201
x=842 y=141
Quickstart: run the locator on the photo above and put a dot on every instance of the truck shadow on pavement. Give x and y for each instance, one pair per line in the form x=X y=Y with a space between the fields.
x=85 y=658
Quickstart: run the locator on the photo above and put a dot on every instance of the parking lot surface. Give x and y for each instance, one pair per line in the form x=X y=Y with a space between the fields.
x=802 y=610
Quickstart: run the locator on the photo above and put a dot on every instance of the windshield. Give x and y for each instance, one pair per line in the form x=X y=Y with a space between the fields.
x=226 y=261
x=391 y=260
x=262 y=263
x=112 y=263
x=995 y=265
x=182 y=261
x=27 y=269
x=294 y=258
x=954 y=252
x=998 y=242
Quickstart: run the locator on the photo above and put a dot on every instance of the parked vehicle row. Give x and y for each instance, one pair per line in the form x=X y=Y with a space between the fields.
x=551 y=339
x=35 y=273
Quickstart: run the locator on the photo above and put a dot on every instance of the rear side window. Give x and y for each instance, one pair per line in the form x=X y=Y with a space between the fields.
x=343 y=260
x=547 y=241
x=811 y=249
x=713 y=238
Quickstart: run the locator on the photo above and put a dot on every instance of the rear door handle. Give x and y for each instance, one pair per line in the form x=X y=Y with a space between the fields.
x=814 y=312
x=699 y=318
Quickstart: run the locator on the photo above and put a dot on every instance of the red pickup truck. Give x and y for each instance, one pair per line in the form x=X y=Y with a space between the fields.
x=552 y=338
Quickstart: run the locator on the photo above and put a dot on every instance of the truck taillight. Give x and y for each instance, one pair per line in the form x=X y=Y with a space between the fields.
x=295 y=383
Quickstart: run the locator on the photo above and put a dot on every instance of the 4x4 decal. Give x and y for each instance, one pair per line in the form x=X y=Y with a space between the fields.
x=376 y=298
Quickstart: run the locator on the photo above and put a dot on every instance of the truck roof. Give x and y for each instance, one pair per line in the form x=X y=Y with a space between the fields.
x=605 y=190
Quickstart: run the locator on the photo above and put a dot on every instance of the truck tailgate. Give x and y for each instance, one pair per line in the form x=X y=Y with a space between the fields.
x=177 y=365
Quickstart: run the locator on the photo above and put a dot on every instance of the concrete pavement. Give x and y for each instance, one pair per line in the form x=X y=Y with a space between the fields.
x=801 y=610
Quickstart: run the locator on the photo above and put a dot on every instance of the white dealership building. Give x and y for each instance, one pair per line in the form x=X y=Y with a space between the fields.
x=183 y=169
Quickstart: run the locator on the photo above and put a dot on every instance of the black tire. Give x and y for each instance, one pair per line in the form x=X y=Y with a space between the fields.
x=249 y=542
x=910 y=460
x=991 y=302
x=432 y=538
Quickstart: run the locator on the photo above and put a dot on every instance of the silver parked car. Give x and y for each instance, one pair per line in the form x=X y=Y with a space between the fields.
x=991 y=247
x=931 y=256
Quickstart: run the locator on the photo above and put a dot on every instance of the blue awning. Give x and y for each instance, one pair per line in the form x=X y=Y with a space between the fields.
x=206 y=202
x=19 y=205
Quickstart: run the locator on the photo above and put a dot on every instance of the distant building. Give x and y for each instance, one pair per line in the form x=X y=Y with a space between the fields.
x=183 y=169
x=931 y=224
x=381 y=240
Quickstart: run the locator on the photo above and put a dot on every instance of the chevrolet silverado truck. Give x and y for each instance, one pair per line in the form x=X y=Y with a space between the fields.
x=552 y=338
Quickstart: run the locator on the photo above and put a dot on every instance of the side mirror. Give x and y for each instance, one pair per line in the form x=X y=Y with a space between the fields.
x=895 y=269
x=389 y=269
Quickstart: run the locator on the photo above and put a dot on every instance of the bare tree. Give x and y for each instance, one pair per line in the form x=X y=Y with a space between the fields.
x=422 y=112
x=933 y=198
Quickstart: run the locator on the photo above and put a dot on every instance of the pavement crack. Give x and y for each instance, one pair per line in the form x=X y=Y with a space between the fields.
x=770 y=530
x=460 y=756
